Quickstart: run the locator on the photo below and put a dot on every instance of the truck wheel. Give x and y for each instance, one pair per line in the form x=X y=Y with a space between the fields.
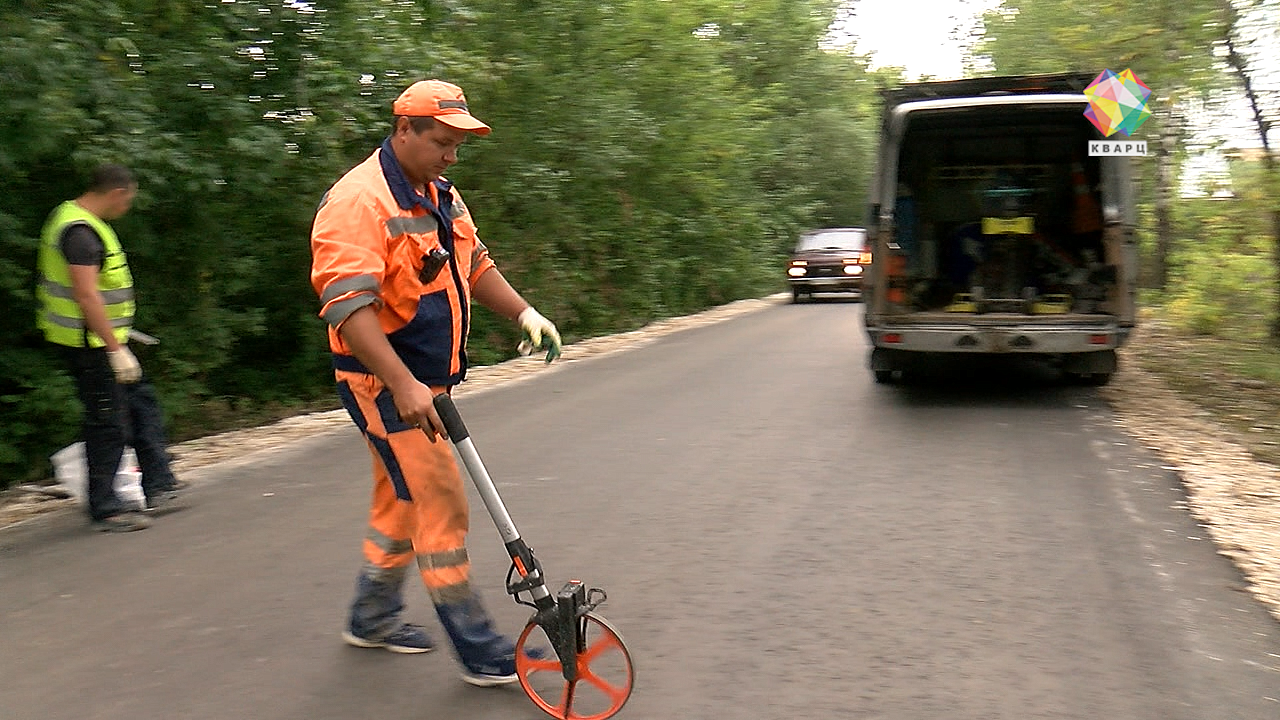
x=884 y=377
x=795 y=296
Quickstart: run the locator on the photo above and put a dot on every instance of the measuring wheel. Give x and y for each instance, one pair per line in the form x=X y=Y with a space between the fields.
x=602 y=671
x=588 y=673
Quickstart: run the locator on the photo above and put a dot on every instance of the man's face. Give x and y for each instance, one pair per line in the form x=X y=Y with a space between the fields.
x=427 y=155
x=118 y=202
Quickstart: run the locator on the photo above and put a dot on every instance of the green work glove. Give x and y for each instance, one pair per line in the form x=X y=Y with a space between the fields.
x=539 y=332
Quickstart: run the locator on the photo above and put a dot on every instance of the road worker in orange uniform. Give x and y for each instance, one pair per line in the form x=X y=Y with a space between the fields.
x=396 y=262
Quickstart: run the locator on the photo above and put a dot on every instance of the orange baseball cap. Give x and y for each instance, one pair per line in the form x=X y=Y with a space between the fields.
x=440 y=100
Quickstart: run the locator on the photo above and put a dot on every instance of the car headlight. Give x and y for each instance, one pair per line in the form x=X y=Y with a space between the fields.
x=852 y=269
x=795 y=271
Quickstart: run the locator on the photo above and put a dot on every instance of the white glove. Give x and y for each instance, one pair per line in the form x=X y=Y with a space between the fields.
x=124 y=365
x=539 y=332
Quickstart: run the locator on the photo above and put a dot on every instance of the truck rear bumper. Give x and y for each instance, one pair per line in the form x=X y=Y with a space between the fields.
x=1030 y=339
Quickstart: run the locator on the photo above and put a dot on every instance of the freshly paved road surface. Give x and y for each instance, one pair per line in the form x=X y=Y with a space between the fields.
x=779 y=537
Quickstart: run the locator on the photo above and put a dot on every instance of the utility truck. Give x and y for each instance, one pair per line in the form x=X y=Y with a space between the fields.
x=994 y=231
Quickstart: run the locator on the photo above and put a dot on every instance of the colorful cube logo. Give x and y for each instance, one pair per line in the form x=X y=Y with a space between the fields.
x=1117 y=102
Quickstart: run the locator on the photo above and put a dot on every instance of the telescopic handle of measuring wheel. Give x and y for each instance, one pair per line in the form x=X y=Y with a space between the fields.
x=526 y=565
x=449 y=416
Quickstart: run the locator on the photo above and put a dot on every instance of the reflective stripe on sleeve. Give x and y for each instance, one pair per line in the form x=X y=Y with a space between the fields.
x=338 y=288
x=337 y=313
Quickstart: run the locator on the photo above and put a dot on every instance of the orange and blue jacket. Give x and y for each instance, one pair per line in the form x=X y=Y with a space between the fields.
x=371 y=240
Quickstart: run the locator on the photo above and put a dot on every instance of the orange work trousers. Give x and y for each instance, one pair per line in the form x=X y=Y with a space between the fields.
x=419 y=510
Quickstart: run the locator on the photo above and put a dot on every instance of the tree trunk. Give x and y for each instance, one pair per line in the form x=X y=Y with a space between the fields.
x=1164 y=195
x=1274 y=174
x=1166 y=156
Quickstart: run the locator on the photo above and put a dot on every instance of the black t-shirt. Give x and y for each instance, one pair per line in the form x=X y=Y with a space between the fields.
x=81 y=245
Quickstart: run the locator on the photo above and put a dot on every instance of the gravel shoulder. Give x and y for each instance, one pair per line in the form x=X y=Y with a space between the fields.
x=1200 y=435
x=1234 y=494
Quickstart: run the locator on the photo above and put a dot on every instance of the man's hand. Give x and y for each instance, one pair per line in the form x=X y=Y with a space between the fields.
x=539 y=332
x=415 y=405
x=413 y=400
x=124 y=365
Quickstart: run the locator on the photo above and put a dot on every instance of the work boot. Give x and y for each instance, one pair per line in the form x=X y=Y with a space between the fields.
x=408 y=638
x=487 y=657
x=122 y=522
x=168 y=499
x=376 y=610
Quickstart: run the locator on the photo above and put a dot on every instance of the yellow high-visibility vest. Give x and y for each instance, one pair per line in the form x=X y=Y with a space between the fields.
x=60 y=316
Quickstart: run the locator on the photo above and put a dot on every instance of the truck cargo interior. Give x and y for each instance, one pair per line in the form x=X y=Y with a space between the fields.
x=1000 y=209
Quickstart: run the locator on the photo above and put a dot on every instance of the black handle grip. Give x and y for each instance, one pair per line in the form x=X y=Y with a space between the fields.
x=449 y=416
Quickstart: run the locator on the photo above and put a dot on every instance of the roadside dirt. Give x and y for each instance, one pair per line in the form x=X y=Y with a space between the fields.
x=1232 y=490
x=1219 y=436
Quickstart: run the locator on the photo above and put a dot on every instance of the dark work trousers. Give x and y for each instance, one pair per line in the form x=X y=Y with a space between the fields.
x=116 y=416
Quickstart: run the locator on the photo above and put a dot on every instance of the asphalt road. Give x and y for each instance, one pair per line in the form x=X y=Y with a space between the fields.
x=779 y=538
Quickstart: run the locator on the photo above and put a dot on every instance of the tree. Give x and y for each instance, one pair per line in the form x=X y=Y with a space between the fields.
x=1232 y=29
x=1166 y=42
x=647 y=159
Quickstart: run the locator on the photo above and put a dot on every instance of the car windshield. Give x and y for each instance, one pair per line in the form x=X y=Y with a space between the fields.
x=844 y=239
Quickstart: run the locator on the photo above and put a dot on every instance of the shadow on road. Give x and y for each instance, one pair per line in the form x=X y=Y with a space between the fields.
x=987 y=381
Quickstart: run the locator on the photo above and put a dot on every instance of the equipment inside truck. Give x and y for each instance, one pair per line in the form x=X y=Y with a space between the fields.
x=1001 y=212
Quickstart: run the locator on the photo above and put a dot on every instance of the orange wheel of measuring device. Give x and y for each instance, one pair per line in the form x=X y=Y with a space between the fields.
x=605 y=674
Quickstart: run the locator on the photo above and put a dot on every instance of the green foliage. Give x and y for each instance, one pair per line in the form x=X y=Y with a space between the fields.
x=1224 y=272
x=39 y=410
x=1168 y=43
x=642 y=165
